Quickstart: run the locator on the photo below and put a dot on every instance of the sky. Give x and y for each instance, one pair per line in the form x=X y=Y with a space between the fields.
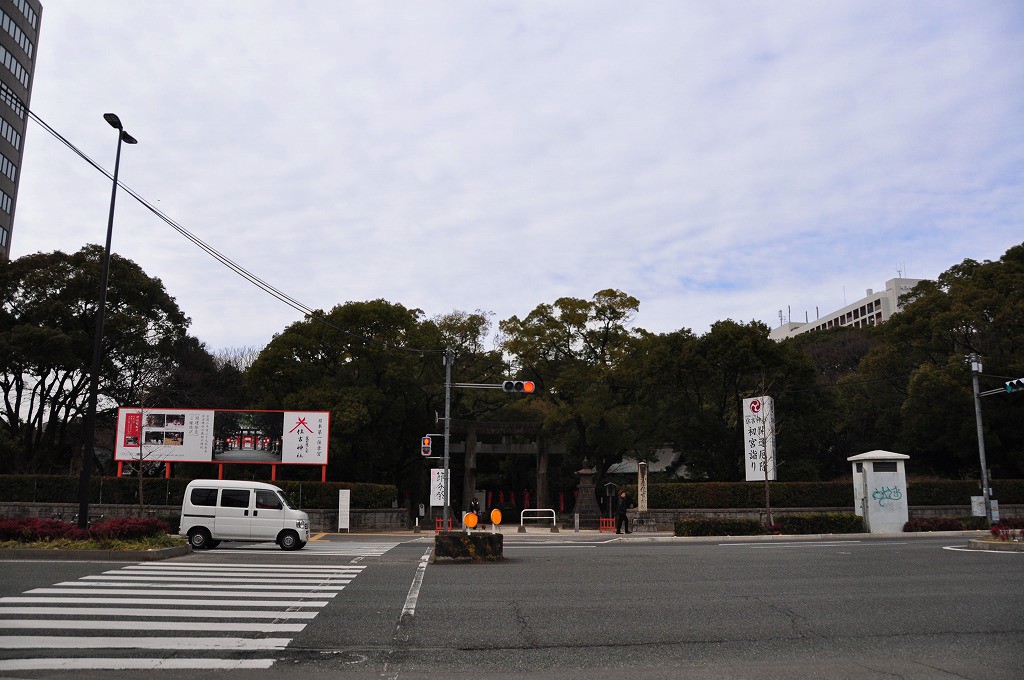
x=716 y=160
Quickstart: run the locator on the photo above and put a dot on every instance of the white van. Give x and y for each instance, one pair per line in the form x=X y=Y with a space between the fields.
x=216 y=510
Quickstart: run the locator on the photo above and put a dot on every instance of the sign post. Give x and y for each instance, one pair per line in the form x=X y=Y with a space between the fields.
x=759 y=439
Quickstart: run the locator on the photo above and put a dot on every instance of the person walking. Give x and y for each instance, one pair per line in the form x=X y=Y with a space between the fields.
x=622 y=519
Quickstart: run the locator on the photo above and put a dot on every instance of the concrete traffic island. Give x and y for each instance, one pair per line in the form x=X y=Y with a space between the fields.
x=463 y=546
x=995 y=544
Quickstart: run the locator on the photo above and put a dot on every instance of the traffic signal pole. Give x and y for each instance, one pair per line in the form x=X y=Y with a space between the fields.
x=449 y=357
x=975 y=372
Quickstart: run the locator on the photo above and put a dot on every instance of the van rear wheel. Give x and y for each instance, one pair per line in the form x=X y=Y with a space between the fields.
x=199 y=539
x=289 y=540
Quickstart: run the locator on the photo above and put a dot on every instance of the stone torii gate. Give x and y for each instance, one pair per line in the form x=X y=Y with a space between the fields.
x=471 y=447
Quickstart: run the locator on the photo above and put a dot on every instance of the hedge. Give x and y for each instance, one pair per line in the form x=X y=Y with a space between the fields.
x=33 y=530
x=157 y=491
x=823 y=523
x=817 y=494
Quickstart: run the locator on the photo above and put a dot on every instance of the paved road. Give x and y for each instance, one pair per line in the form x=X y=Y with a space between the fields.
x=559 y=606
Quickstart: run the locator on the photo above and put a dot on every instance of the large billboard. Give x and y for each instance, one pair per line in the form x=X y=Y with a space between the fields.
x=209 y=436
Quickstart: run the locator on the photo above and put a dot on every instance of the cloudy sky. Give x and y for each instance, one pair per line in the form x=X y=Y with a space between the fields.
x=713 y=159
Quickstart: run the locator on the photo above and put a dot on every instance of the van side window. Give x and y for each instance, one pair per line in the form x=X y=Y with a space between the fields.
x=204 y=497
x=234 y=498
x=267 y=500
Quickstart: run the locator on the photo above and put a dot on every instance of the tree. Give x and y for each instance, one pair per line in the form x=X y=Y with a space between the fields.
x=575 y=350
x=47 y=325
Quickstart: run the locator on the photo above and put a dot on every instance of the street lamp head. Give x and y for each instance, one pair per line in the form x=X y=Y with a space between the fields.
x=127 y=138
x=114 y=121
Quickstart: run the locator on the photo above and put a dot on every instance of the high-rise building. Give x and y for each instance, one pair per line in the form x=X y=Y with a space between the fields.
x=19 y=35
x=873 y=309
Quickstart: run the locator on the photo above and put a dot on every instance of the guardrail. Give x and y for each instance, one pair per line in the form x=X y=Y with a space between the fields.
x=538 y=511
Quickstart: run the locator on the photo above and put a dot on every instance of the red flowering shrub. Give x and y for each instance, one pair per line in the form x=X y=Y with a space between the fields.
x=128 y=528
x=33 y=529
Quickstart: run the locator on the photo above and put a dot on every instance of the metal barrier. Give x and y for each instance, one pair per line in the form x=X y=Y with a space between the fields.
x=607 y=524
x=538 y=511
x=439 y=524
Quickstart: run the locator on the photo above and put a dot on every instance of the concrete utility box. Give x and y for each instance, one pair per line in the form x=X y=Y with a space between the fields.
x=880 y=490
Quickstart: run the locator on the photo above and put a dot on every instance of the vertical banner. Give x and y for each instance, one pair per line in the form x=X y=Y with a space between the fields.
x=759 y=438
x=437 y=490
x=344 y=509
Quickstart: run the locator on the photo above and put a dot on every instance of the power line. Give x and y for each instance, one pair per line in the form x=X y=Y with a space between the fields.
x=238 y=269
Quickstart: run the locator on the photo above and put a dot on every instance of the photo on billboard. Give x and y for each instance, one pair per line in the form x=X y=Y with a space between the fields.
x=222 y=436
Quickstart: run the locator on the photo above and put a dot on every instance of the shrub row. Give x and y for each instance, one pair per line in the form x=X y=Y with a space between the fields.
x=945 y=524
x=125 y=491
x=822 y=523
x=32 y=529
x=817 y=494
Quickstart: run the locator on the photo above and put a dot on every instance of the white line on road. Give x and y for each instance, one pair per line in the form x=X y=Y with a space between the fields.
x=1000 y=552
x=240 y=567
x=96 y=664
x=545 y=547
x=798 y=544
x=149 y=591
x=307 y=580
x=312 y=587
x=176 y=643
x=188 y=626
x=169 y=601
x=179 y=613
x=409 y=610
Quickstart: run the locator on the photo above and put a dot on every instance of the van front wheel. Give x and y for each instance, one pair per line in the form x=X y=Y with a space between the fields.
x=289 y=540
x=199 y=539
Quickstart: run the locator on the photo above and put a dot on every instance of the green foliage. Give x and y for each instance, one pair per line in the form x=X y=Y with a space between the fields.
x=124 y=491
x=718 y=526
x=750 y=495
x=945 y=524
x=820 y=523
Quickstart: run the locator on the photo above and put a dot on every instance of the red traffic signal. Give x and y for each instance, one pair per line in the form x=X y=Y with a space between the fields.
x=519 y=386
x=425 y=446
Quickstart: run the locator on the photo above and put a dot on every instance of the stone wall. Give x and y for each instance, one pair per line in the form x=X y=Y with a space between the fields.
x=387 y=519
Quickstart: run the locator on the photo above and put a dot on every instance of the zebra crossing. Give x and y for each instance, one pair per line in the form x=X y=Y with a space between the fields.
x=201 y=615
x=315 y=548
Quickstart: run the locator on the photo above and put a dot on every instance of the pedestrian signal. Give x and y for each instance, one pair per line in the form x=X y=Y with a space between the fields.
x=519 y=386
x=1015 y=385
x=425 y=446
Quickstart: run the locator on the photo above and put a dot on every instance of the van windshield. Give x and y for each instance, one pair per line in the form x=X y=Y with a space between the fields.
x=284 y=499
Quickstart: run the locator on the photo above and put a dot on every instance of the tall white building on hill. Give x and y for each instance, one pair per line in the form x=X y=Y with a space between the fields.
x=871 y=310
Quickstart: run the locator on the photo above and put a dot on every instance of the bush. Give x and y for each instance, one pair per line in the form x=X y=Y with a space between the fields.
x=128 y=529
x=718 y=526
x=821 y=523
x=34 y=530
x=945 y=524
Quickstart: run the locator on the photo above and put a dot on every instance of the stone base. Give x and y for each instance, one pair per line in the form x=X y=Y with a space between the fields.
x=643 y=522
x=475 y=547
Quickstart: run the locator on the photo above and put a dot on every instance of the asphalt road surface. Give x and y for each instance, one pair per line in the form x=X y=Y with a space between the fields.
x=559 y=606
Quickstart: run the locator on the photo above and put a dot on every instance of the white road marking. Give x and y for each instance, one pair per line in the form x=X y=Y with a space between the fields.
x=187 y=626
x=151 y=592
x=129 y=642
x=97 y=664
x=409 y=610
x=226 y=586
x=179 y=613
x=169 y=601
x=1000 y=552
x=240 y=567
x=795 y=544
x=308 y=580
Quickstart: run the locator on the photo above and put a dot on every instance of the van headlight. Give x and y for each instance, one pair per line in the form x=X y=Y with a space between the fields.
x=301 y=524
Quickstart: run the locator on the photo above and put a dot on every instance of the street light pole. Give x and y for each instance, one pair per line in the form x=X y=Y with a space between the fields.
x=97 y=348
x=975 y=372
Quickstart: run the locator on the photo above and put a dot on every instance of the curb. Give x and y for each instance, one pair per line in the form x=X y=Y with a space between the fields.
x=1001 y=546
x=95 y=555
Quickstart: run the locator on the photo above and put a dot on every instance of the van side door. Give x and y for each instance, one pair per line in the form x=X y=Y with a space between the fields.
x=268 y=516
x=234 y=515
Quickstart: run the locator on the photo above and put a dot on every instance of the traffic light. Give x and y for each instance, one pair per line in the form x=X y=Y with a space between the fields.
x=519 y=386
x=1015 y=385
x=425 y=446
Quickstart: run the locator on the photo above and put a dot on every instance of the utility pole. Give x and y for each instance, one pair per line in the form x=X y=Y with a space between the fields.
x=975 y=372
x=449 y=357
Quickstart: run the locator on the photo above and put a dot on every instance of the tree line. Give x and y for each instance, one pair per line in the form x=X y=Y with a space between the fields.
x=606 y=388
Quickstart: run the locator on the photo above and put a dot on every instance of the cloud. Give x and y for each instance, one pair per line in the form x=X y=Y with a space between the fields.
x=716 y=161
